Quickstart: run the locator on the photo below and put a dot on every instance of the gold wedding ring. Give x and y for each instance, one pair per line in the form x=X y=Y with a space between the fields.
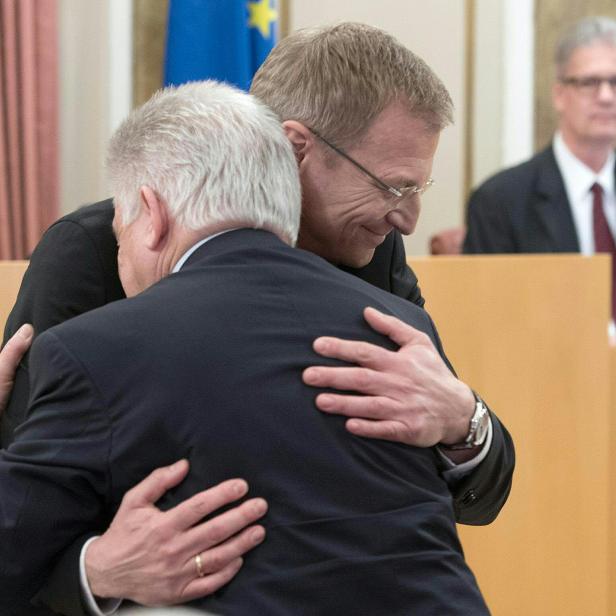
x=199 y=565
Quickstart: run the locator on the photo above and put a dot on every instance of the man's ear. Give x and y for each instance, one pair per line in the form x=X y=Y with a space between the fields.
x=157 y=218
x=301 y=138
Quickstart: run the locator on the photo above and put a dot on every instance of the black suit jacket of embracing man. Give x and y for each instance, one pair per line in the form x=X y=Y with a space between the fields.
x=207 y=365
x=522 y=209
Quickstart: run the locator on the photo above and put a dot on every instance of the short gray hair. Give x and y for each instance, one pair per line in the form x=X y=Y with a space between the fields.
x=337 y=79
x=585 y=32
x=213 y=154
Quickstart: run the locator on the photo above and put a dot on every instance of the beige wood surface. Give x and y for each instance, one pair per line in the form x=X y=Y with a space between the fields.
x=11 y=273
x=530 y=334
x=612 y=536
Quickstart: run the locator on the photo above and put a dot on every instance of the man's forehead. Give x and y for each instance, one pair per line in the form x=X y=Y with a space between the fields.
x=410 y=146
x=397 y=125
x=588 y=59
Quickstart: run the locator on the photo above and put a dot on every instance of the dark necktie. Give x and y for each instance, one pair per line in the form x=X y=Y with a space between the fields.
x=604 y=241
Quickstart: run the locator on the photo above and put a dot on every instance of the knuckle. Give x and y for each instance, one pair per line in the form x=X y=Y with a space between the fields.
x=423 y=338
x=200 y=507
x=364 y=378
x=412 y=430
x=158 y=532
x=216 y=532
x=364 y=353
x=167 y=552
x=394 y=431
x=213 y=561
x=381 y=408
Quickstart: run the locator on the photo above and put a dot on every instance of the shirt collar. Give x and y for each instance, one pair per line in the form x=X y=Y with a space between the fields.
x=577 y=176
x=180 y=263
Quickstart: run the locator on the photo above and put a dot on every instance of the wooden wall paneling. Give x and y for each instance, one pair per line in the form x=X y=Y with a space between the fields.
x=612 y=435
x=530 y=334
x=11 y=273
x=149 y=33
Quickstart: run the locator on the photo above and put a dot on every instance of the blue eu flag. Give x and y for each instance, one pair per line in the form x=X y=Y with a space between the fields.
x=226 y=40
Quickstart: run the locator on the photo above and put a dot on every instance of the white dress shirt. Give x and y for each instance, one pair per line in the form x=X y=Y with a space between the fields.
x=578 y=179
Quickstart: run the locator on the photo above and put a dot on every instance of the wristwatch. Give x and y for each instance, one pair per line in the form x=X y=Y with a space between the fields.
x=478 y=428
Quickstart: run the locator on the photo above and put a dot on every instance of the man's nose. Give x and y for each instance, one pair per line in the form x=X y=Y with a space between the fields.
x=404 y=217
x=606 y=91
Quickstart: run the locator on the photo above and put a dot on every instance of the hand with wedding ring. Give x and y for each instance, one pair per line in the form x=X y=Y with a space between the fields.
x=158 y=557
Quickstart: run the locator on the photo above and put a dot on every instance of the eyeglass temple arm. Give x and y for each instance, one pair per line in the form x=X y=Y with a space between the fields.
x=391 y=189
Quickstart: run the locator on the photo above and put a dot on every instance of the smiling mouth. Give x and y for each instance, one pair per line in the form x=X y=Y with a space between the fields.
x=378 y=238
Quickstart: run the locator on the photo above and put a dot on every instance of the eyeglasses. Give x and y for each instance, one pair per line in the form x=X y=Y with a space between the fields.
x=397 y=192
x=590 y=85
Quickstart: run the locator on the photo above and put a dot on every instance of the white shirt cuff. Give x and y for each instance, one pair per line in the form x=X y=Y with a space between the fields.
x=455 y=471
x=95 y=607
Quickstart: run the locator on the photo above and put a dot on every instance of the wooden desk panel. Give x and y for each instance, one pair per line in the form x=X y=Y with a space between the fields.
x=11 y=273
x=530 y=334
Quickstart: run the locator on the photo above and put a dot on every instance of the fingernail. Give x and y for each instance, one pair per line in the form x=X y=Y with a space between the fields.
x=320 y=345
x=325 y=401
x=176 y=465
x=240 y=487
x=260 y=506
x=258 y=535
x=310 y=375
x=25 y=331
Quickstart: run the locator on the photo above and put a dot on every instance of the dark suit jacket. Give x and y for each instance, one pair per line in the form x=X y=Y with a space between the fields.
x=73 y=270
x=207 y=365
x=522 y=209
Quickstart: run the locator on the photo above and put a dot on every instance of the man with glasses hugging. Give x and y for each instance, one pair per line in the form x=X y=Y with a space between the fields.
x=364 y=116
x=562 y=199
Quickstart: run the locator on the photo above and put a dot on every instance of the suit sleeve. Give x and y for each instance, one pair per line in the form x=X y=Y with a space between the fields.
x=488 y=230
x=65 y=278
x=54 y=476
x=479 y=496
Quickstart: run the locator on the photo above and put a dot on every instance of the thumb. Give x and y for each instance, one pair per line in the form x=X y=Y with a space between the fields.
x=14 y=350
x=10 y=356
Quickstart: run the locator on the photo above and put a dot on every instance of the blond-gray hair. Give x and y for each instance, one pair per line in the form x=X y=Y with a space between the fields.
x=588 y=31
x=214 y=154
x=337 y=79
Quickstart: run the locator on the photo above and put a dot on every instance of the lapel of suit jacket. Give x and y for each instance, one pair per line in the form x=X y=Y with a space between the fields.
x=552 y=206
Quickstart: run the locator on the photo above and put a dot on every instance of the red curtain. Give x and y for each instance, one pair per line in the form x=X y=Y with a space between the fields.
x=29 y=149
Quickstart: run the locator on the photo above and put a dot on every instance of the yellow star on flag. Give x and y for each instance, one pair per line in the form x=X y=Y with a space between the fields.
x=262 y=16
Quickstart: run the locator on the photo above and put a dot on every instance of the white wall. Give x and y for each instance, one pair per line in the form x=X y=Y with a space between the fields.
x=504 y=85
x=95 y=91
